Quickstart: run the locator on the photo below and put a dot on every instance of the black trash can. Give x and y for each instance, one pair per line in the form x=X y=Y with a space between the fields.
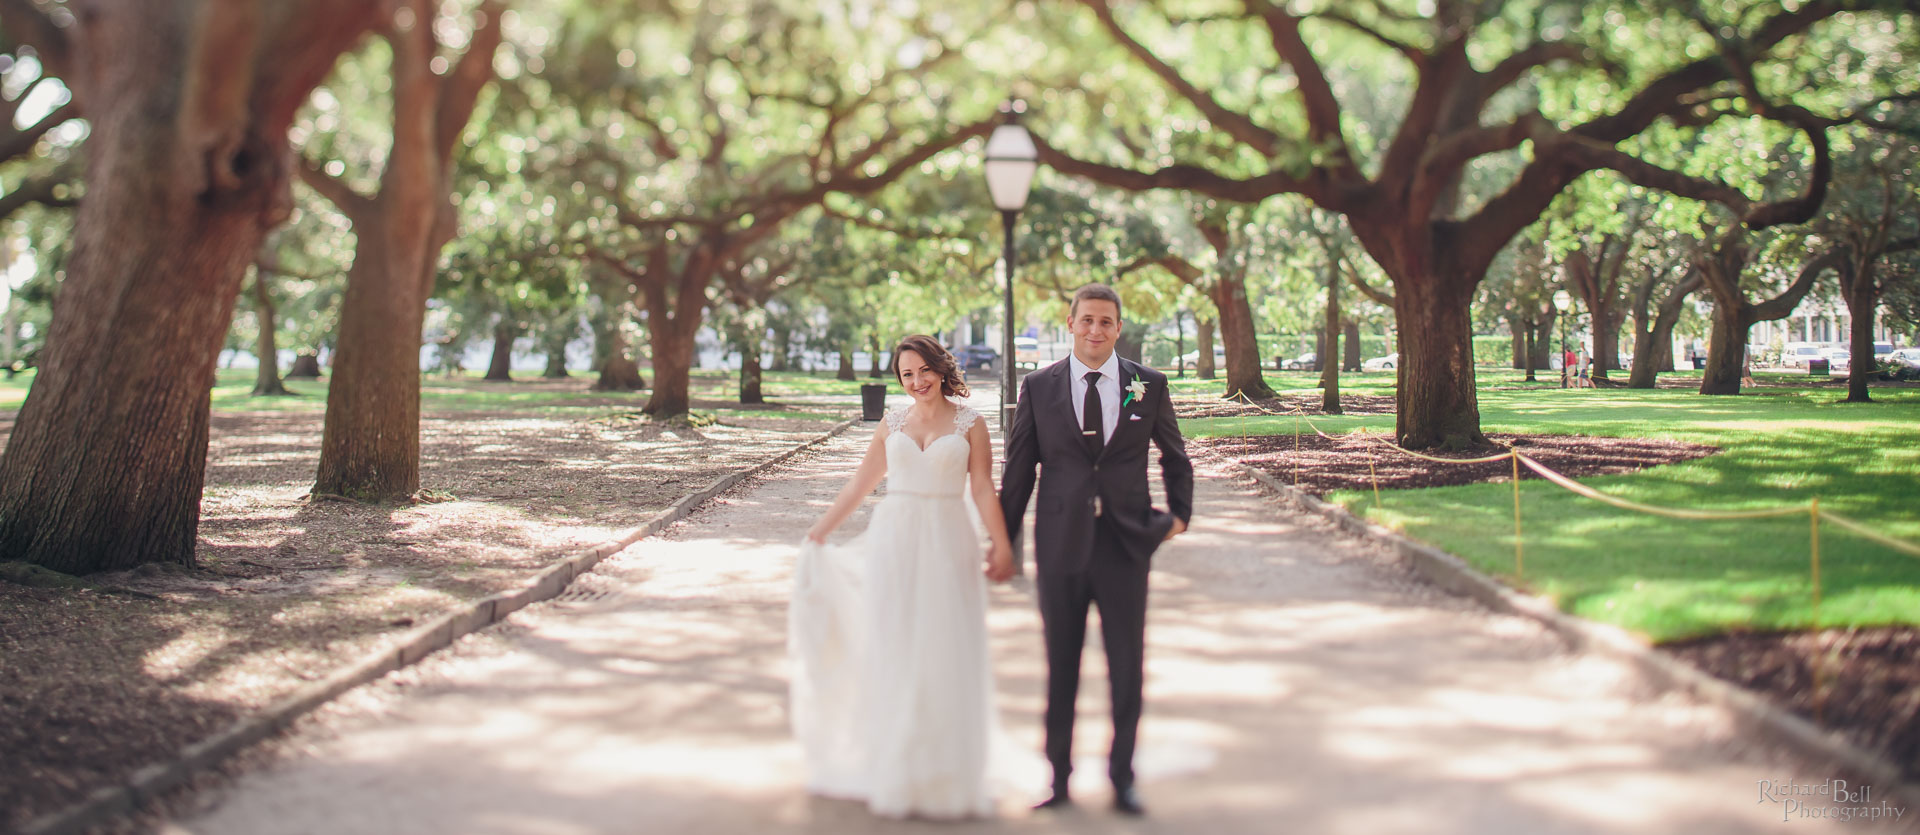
x=873 y=401
x=1699 y=363
x=1818 y=368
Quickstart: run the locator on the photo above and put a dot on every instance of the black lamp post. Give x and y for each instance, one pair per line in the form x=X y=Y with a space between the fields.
x=1563 y=304
x=1011 y=161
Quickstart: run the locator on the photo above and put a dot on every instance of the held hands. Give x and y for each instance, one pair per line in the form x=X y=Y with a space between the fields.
x=1178 y=528
x=1000 y=563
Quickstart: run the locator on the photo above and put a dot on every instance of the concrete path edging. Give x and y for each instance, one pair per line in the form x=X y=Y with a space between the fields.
x=1752 y=713
x=150 y=782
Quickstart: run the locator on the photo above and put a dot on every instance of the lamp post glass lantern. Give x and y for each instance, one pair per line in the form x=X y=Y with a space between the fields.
x=1011 y=160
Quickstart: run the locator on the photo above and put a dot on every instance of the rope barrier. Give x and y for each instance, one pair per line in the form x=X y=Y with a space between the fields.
x=1625 y=504
x=1869 y=534
x=1518 y=458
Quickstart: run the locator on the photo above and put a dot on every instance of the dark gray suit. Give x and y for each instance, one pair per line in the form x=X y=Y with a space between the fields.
x=1080 y=558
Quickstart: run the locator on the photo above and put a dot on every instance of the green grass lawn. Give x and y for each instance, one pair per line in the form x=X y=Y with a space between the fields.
x=1666 y=578
x=232 y=393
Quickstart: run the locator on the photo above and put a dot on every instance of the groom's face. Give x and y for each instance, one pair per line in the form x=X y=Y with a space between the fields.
x=1095 y=324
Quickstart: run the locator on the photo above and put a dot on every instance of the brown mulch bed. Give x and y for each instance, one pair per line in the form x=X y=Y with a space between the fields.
x=286 y=590
x=1353 y=461
x=1189 y=408
x=1863 y=682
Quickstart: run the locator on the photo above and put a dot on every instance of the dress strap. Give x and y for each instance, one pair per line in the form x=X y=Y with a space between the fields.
x=897 y=419
x=963 y=418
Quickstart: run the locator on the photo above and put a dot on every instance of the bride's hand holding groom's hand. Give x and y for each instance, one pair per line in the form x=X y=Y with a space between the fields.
x=1178 y=528
x=1000 y=563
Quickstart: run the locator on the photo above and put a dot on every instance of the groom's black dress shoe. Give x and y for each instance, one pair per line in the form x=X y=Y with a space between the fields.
x=1057 y=800
x=1127 y=802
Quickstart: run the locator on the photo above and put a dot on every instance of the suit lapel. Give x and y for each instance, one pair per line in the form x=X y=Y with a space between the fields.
x=1063 y=379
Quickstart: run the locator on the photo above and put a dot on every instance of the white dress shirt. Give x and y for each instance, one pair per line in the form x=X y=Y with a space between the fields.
x=1109 y=392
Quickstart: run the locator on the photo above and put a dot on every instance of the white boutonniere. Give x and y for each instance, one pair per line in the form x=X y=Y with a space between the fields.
x=1135 y=391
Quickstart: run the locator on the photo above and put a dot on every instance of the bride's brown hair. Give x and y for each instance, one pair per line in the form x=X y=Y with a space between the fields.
x=938 y=359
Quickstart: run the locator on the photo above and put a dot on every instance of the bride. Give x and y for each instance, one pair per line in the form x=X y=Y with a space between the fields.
x=892 y=695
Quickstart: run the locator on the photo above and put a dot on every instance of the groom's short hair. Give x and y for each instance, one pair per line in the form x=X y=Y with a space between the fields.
x=1095 y=290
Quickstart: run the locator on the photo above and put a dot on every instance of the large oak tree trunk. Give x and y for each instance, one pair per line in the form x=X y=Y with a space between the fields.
x=266 y=381
x=782 y=349
x=1522 y=330
x=1242 y=340
x=1726 y=348
x=186 y=174
x=1527 y=350
x=1606 y=342
x=1543 y=340
x=1734 y=316
x=370 y=447
x=1203 y=345
x=1653 y=344
x=876 y=363
x=500 y=363
x=673 y=327
x=1350 y=350
x=846 y=371
x=618 y=370
x=1330 y=370
x=1437 y=405
x=556 y=350
x=1860 y=288
x=750 y=370
x=306 y=366
x=673 y=350
x=105 y=465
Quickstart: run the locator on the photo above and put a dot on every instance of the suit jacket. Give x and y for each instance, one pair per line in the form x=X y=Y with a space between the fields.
x=1046 y=434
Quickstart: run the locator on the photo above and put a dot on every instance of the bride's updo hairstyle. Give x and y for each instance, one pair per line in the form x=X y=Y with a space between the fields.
x=938 y=359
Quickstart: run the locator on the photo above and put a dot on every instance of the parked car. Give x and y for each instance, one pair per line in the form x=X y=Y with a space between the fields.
x=1902 y=364
x=1796 y=354
x=1838 y=359
x=1192 y=358
x=1026 y=352
x=976 y=356
x=1386 y=363
x=1305 y=362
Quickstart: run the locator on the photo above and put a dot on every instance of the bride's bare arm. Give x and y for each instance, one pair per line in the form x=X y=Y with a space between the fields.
x=872 y=469
x=980 y=478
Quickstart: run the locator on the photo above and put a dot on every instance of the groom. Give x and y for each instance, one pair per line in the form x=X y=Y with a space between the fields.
x=1087 y=419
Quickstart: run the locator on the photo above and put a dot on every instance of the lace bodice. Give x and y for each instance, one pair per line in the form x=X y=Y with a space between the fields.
x=937 y=470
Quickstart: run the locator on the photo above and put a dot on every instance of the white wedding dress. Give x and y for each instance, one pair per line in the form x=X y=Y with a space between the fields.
x=892 y=693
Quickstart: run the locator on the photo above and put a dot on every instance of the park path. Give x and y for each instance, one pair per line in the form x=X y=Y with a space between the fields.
x=1298 y=681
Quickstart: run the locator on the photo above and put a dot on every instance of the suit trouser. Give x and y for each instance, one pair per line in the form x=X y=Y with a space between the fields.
x=1118 y=585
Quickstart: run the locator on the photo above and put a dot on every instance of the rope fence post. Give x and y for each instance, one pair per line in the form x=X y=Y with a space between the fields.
x=1296 y=449
x=1519 y=557
x=1820 y=672
x=1813 y=525
x=1375 y=476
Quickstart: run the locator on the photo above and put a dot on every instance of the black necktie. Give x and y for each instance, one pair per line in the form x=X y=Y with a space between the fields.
x=1091 y=419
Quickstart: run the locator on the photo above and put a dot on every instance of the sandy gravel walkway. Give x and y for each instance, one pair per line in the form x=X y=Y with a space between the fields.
x=1298 y=681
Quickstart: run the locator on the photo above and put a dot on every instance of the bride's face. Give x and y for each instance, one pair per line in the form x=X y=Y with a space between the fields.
x=920 y=381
